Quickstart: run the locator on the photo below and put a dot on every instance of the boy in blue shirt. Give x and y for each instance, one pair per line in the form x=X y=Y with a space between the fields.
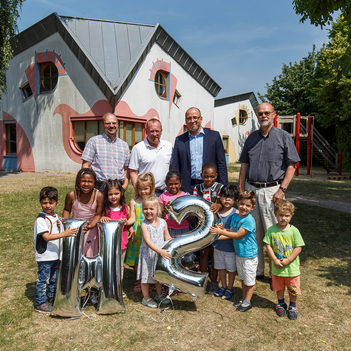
x=243 y=231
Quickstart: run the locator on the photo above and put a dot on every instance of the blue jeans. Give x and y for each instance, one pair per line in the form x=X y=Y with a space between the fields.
x=47 y=279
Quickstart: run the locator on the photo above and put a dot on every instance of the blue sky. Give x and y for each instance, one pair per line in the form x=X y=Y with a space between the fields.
x=241 y=44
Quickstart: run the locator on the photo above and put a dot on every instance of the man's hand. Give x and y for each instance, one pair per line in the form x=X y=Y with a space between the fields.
x=278 y=195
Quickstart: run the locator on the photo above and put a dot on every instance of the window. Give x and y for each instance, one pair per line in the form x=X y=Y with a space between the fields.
x=225 y=143
x=185 y=128
x=234 y=121
x=84 y=130
x=10 y=130
x=242 y=116
x=131 y=132
x=176 y=98
x=161 y=84
x=26 y=91
x=48 y=77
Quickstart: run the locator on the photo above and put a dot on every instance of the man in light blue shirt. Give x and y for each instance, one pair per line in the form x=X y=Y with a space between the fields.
x=196 y=154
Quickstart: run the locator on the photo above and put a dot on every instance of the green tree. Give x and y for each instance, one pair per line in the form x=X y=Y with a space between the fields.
x=9 y=13
x=319 y=12
x=289 y=91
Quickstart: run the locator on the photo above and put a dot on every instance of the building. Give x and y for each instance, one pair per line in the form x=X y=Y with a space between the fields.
x=67 y=72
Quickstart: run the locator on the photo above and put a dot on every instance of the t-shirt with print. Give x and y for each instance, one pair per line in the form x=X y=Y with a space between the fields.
x=246 y=246
x=47 y=250
x=211 y=194
x=283 y=243
x=225 y=245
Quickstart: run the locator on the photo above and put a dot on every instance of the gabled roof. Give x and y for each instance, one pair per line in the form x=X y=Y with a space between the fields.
x=111 y=52
x=237 y=98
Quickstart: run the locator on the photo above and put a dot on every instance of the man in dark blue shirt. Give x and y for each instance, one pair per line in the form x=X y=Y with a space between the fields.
x=268 y=162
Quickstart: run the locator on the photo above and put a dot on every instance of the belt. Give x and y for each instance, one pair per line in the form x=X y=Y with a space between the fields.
x=264 y=185
x=197 y=181
x=157 y=190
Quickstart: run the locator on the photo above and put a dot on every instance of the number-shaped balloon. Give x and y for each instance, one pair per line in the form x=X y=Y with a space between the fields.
x=78 y=272
x=171 y=272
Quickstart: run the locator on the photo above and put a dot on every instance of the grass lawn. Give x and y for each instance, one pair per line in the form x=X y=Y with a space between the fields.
x=324 y=321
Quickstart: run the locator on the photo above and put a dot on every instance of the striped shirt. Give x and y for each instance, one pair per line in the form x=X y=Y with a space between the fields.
x=107 y=157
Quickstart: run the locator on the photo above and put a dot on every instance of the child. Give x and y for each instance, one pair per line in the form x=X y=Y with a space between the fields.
x=243 y=229
x=145 y=186
x=47 y=249
x=173 y=183
x=284 y=243
x=115 y=208
x=223 y=252
x=209 y=190
x=85 y=203
x=155 y=236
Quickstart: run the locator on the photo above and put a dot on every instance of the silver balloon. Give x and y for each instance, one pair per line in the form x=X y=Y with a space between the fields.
x=78 y=272
x=171 y=272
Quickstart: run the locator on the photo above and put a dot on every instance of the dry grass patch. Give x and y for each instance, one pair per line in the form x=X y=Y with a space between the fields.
x=209 y=324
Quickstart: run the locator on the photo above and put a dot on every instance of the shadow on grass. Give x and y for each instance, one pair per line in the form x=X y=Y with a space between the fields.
x=30 y=292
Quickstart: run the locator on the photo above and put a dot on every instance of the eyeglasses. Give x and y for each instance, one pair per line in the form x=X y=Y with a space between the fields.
x=195 y=119
x=260 y=114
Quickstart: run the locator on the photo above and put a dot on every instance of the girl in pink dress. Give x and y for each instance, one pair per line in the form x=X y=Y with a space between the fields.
x=85 y=203
x=115 y=208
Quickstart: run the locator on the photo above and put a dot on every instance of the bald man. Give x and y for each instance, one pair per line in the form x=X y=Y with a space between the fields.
x=106 y=154
x=268 y=162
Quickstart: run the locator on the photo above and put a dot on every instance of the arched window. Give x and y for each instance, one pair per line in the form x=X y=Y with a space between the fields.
x=161 y=84
x=48 y=77
x=242 y=116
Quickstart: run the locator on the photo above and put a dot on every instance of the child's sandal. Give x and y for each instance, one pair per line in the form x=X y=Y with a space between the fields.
x=219 y=292
x=137 y=286
x=292 y=313
x=280 y=310
x=149 y=303
x=228 y=294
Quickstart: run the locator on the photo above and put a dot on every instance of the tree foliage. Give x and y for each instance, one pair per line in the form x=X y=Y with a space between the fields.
x=319 y=12
x=289 y=91
x=9 y=14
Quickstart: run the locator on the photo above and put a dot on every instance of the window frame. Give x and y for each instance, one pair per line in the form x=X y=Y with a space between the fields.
x=226 y=149
x=42 y=67
x=7 y=141
x=243 y=119
x=23 y=90
x=143 y=124
x=73 y=120
x=177 y=97
x=158 y=84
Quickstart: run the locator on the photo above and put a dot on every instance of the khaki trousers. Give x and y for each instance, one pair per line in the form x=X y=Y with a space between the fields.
x=263 y=213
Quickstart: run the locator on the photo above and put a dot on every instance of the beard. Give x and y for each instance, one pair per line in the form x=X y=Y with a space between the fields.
x=266 y=123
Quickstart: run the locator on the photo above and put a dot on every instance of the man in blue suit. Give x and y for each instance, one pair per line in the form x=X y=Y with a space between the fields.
x=195 y=147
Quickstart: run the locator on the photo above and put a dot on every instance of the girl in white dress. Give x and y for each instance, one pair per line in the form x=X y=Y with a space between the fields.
x=154 y=236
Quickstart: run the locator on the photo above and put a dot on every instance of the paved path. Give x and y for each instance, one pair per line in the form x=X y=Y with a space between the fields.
x=339 y=206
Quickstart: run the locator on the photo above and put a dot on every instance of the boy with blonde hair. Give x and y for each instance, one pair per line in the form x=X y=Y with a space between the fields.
x=284 y=243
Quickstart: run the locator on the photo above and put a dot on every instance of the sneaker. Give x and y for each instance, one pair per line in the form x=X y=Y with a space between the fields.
x=280 y=310
x=163 y=299
x=43 y=308
x=219 y=292
x=244 y=308
x=292 y=313
x=237 y=304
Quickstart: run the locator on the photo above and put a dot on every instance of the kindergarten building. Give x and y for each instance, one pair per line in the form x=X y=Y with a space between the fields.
x=67 y=72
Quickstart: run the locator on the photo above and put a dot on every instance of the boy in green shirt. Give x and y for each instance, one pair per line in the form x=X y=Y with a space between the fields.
x=284 y=244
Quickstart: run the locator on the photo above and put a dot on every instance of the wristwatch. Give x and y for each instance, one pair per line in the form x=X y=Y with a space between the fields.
x=283 y=189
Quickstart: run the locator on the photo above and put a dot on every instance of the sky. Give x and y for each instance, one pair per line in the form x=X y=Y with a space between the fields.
x=242 y=45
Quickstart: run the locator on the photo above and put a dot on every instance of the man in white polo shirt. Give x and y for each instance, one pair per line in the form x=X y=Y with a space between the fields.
x=151 y=155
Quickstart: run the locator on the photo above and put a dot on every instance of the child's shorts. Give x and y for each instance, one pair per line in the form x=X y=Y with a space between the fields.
x=224 y=260
x=292 y=284
x=246 y=268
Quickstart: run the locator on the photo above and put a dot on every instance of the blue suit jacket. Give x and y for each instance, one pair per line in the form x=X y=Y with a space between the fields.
x=213 y=152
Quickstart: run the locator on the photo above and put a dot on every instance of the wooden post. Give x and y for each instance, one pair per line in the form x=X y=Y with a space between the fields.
x=298 y=116
x=275 y=120
x=309 y=121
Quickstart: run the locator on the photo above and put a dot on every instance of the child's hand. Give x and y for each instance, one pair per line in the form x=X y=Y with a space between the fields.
x=214 y=230
x=277 y=263
x=58 y=224
x=165 y=254
x=215 y=208
x=132 y=236
x=284 y=262
x=87 y=227
x=70 y=232
x=104 y=219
